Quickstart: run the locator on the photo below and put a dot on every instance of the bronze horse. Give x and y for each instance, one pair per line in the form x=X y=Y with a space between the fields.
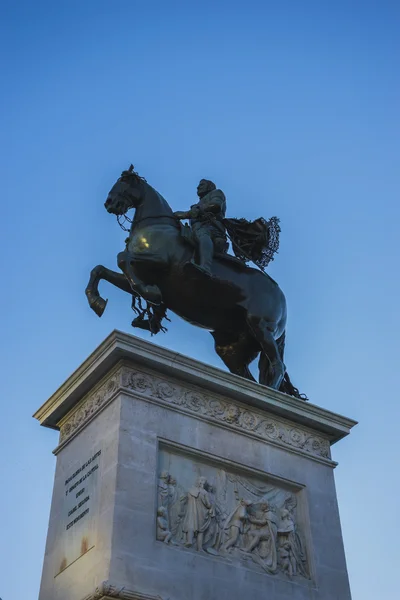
x=242 y=307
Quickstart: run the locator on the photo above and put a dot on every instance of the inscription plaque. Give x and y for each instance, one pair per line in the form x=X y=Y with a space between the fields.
x=77 y=524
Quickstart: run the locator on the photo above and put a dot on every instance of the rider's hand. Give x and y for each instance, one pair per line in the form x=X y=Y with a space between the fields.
x=195 y=212
x=181 y=215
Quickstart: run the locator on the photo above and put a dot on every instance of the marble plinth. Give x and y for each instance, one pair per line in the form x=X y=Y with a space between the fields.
x=178 y=481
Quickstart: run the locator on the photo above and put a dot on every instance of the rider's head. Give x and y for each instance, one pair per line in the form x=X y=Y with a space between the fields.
x=205 y=186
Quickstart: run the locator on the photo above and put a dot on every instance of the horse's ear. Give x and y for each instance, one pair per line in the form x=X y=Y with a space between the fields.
x=130 y=170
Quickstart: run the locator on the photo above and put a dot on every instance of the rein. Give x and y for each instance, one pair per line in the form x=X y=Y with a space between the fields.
x=134 y=223
x=122 y=225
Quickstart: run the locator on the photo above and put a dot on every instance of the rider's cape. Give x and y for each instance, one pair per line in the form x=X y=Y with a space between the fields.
x=257 y=240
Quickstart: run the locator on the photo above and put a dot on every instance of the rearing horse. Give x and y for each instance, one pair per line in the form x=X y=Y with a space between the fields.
x=243 y=308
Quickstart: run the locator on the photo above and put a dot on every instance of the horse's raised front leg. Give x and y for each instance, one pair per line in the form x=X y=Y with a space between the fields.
x=151 y=293
x=96 y=302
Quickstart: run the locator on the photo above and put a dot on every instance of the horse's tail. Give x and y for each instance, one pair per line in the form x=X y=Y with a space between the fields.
x=280 y=342
x=287 y=386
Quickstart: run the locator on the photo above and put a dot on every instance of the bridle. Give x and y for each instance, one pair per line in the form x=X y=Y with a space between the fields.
x=134 y=223
x=125 y=196
x=122 y=225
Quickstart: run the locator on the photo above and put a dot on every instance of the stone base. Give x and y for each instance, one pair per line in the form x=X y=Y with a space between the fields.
x=178 y=481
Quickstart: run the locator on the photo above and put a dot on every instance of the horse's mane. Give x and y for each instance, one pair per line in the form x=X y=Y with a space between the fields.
x=131 y=173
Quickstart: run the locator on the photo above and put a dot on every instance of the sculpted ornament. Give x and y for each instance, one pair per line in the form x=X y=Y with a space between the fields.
x=241 y=520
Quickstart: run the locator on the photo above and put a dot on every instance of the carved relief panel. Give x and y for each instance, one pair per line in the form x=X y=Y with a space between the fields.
x=233 y=514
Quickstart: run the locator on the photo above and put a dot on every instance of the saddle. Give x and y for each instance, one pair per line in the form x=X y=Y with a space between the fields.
x=256 y=241
x=188 y=237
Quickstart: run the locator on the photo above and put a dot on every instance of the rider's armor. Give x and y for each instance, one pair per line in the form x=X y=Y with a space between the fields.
x=206 y=221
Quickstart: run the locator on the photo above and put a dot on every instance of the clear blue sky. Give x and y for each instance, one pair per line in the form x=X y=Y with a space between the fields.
x=292 y=108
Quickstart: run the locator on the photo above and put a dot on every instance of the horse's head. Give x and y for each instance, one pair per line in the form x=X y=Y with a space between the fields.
x=126 y=193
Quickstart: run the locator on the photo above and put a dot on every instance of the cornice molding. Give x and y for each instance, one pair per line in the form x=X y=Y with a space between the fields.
x=163 y=362
x=194 y=401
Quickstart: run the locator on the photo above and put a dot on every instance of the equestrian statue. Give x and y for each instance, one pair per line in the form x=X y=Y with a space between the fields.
x=187 y=269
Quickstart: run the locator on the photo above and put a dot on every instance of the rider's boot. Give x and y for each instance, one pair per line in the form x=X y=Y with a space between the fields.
x=206 y=252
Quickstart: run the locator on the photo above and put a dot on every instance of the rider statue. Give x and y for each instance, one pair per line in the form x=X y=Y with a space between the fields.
x=243 y=308
x=206 y=221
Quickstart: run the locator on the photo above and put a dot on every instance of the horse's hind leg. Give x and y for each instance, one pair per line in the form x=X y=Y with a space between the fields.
x=271 y=366
x=237 y=352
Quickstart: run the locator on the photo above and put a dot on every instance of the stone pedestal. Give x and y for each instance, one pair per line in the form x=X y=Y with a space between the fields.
x=178 y=481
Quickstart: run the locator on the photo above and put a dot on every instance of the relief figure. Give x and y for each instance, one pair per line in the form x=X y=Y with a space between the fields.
x=234 y=525
x=290 y=539
x=163 y=532
x=287 y=560
x=198 y=514
x=263 y=537
x=214 y=534
x=163 y=488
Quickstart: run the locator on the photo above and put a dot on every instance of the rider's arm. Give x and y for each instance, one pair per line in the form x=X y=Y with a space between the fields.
x=193 y=213
x=179 y=214
x=217 y=203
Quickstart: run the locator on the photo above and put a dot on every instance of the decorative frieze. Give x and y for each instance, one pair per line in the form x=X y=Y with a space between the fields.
x=200 y=404
x=224 y=412
x=90 y=405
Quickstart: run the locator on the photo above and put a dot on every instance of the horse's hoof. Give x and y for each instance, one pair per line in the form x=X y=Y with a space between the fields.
x=98 y=306
x=141 y=324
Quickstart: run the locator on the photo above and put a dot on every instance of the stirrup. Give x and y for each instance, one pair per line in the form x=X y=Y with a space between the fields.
x=199 y=268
